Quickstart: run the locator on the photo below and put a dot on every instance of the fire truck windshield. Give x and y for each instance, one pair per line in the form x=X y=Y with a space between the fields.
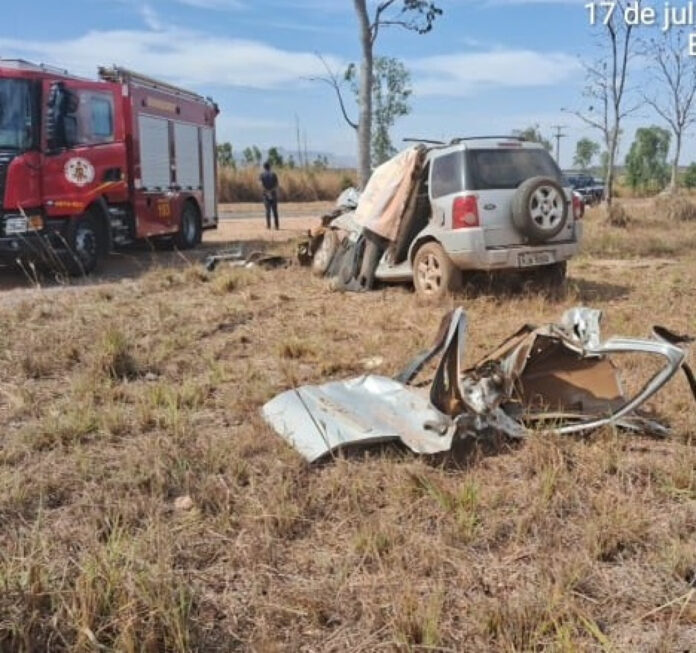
x=16 y=115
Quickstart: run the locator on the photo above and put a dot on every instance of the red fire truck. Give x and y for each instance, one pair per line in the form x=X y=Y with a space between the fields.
x=89 y=165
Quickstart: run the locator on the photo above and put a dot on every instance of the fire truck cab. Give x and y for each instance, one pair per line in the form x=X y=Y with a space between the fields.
x=89 y=165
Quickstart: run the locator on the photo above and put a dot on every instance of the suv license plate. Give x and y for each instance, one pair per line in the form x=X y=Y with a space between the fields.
x=14 y=226
x=536 y=258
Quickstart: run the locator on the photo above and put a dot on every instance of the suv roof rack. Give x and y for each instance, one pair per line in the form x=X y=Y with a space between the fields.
x=424 y=140
x=509 y=137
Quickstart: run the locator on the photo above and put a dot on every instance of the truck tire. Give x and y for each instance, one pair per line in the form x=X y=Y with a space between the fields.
x=539 y=209
x=190 y=232
x=434 y=274
x=325 y=252
x=85 y=242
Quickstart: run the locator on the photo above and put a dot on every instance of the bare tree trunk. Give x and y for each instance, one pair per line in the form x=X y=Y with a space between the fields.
x=611 y=159
x=674 y=183
x=365 y=94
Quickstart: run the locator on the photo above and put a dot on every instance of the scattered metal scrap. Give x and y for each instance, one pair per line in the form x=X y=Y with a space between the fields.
x=560 y=378
x=237 y=258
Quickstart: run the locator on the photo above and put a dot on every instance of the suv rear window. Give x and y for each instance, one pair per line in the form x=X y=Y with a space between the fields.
x=507 y=169
x=447 y=174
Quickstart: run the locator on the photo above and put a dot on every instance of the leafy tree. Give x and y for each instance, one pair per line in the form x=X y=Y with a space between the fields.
x=585 y=151
x=275 y=158
x=690 y=176
x=606 y=86
x=413 y=15
x=674 y=72
x=390 y=93
x=225 y=156
x=321 y=162
x=252 y=155
x=533 y=135
x=646 y=162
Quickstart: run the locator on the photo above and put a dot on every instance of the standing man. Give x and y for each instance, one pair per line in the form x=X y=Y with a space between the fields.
x=269 y=183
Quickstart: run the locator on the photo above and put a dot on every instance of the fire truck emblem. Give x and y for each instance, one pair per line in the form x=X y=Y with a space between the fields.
x=79 y=171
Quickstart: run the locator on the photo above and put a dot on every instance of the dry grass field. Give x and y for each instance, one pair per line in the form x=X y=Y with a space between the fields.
x=145 y=505
x=296 y=185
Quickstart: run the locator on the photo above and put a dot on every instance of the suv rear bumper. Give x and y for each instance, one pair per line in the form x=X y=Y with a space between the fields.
x=467 y=249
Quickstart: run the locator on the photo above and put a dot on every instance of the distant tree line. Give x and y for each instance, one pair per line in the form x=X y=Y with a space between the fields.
x=647 y=166
x=253 y=156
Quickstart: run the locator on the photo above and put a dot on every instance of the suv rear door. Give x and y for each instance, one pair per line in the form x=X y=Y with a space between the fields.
x=495 y=173
x=446 y=183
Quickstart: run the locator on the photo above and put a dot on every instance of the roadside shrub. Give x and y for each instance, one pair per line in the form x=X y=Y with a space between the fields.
x=689 y=178
x=296 y=184
x=675 y=208
x=348 y=180
x=115 y=357
x=617 y=216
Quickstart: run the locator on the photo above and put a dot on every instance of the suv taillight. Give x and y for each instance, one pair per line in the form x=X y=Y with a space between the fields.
x=465 y=213
x=578 y=207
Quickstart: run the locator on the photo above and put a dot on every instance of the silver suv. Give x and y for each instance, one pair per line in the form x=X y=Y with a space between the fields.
x=486 y=203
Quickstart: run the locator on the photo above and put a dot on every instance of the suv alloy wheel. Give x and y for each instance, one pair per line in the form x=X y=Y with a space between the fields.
x=434 y=274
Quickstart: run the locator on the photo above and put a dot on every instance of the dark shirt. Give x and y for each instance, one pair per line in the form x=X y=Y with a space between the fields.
x=269 y=181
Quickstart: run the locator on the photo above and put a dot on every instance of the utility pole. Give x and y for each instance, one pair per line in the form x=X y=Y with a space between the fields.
x=299 y=145
x=558 y=136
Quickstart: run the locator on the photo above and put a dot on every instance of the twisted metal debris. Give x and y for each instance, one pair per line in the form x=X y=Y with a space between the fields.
x=559 y=378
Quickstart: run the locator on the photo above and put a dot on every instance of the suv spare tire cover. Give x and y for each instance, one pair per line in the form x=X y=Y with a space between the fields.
x=539 y=208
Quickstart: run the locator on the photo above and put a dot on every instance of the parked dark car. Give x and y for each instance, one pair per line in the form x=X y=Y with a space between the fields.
x=590 y=189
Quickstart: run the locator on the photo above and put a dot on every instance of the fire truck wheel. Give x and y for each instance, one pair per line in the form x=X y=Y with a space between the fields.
x=84 y=242
x=189 y=234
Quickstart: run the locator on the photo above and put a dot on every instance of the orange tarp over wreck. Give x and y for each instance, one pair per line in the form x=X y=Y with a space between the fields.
x=386 y=196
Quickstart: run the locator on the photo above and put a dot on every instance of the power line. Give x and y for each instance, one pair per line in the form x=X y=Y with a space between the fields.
x=558 y=136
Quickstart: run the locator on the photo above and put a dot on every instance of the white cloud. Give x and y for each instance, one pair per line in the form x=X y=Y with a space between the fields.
x=193 y=58
x=150 y=17
x=231 y=125
x=178 y=55
x=213 y=4
x=461 y=74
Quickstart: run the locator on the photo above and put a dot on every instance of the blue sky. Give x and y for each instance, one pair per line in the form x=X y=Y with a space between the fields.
x=489 y=66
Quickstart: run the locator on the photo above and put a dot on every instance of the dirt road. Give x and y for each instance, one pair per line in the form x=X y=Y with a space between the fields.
x=238 y=222
x=255 y=212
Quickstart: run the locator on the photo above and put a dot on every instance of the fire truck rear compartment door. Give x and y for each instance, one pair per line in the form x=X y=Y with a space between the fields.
x=155 y=162
x=208 y=151
x=188 y=165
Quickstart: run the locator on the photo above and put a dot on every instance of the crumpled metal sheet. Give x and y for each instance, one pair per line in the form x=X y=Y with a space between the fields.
x=561 y=369
x=320 y=420
x=559 y=378
x=348 y=199
x=237 y=258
